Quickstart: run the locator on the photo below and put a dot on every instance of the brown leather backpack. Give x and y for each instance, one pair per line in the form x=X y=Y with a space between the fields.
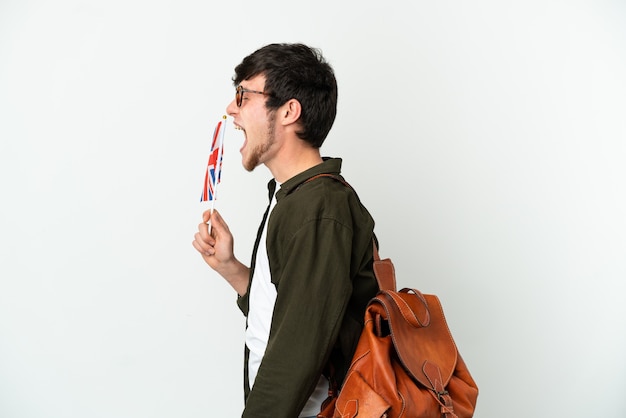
x=406 y=363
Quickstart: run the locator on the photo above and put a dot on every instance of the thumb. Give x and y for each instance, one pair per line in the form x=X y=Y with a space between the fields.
x=206 y=215
x=215 y=218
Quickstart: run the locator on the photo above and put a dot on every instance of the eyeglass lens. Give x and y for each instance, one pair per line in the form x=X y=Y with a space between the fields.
x=239 y=95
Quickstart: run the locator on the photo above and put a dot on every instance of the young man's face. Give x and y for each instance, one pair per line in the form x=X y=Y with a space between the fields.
x=256 y=122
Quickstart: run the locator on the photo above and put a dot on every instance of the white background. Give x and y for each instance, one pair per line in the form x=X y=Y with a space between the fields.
x=487 y=138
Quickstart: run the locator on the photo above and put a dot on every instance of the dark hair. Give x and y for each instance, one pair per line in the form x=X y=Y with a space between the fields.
x=296 y=71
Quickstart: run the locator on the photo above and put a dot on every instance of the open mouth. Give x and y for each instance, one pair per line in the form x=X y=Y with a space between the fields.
x=239 y=128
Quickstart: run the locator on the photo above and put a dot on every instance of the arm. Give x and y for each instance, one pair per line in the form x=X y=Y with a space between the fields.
x=313 y=291
x=217 y=251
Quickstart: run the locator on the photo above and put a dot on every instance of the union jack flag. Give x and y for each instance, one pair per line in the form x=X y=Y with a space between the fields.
x=214 y=166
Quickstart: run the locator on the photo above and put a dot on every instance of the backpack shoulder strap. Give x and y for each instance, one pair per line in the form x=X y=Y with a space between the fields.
x=384 y=271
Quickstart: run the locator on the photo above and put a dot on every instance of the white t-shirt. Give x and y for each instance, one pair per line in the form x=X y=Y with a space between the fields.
x=261 y=305
x=261 y=308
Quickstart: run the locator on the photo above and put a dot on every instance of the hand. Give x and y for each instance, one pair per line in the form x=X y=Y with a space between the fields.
x=216 y=249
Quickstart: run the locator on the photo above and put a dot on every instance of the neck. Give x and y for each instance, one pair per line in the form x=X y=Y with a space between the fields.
x=295 y=162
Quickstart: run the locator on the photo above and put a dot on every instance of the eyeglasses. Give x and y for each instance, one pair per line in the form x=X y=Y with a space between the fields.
x=239 y=91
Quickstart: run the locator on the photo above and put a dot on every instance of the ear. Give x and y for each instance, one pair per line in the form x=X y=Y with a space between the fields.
x=290 y=112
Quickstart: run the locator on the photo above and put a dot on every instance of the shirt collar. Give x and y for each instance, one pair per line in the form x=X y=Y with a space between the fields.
x=328 y=166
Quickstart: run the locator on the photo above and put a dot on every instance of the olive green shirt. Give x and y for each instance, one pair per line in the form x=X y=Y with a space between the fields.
x=319 y=245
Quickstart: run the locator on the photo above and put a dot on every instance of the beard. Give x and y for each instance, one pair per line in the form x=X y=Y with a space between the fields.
x=259 y=151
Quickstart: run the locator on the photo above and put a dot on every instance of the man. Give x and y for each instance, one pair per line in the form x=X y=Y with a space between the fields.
x=310 y=278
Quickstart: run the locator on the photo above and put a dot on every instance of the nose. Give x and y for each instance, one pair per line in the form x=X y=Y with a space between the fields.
x=232 y=108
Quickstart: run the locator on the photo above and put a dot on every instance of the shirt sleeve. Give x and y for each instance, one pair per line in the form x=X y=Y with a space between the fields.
x=313 y=290
x=243 y=302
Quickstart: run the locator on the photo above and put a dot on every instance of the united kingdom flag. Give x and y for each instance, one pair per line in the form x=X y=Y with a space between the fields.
x=214 y=166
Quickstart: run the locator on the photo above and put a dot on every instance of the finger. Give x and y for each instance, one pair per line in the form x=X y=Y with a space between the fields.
x=203 y=234
x=206 y=215
x=218 y=226
x=218 y=222
x=202 y=246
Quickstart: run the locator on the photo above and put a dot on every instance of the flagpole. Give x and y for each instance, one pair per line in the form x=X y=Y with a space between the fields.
x=218 y=168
